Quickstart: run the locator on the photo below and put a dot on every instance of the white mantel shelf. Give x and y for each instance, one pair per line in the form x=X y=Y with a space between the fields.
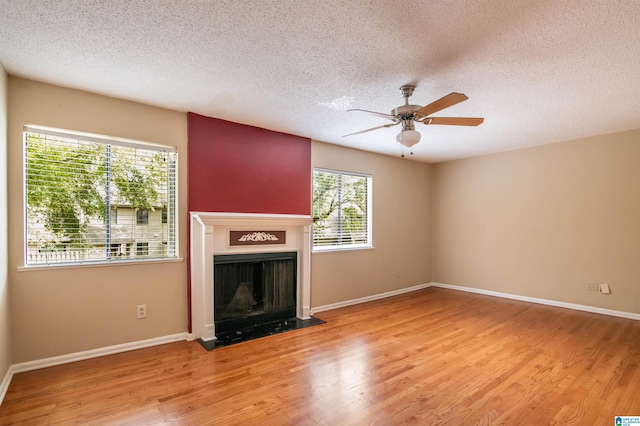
x=216 y=218
x=210 y=237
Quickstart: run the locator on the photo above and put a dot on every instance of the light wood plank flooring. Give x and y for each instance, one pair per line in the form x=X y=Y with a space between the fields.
x=431 y=357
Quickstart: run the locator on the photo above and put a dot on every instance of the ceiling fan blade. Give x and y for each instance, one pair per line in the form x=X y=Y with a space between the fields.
x=442 y=103
x=454 y=121
x=369 y=130
x=379 y=114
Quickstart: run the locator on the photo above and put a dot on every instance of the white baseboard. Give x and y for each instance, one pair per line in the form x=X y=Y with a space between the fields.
x=4 y=386
x=548 y=302
x=78 y=356
x=368 y=298
x=586 y=308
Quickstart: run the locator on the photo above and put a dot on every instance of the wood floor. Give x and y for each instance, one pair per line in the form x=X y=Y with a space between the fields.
x=432 y=357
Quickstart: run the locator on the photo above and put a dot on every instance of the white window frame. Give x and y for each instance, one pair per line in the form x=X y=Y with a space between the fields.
x=172 y=254
x=369 y=243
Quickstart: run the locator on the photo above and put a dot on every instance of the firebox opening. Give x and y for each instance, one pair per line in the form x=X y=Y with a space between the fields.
x=253 y=289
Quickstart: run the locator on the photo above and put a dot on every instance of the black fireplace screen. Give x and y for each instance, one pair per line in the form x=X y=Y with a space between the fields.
x=254 y=288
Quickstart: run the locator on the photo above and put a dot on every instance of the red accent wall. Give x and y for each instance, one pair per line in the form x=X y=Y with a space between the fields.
x=244 y=169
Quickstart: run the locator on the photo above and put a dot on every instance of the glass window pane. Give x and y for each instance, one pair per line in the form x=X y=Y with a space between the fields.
x=85 y=199
x=341 y=211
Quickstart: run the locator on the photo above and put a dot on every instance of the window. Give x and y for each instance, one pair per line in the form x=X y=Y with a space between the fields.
x=113 y=212
x=164 y=216
x=341 y=210
x=85 y=193
x=142 y=217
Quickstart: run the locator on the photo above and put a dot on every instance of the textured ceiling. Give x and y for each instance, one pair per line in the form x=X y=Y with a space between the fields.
x=538 y=71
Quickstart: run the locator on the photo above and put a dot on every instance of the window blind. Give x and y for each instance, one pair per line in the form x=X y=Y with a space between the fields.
x=341 y=209
x=85 y=193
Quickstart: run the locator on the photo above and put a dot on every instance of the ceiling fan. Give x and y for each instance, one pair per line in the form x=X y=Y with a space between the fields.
x=408 y=115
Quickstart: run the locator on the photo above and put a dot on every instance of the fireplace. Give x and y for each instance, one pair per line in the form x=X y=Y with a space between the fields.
x=252 y=289
x=214 y=247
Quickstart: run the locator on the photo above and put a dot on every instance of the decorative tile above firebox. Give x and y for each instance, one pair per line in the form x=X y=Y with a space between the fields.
x=256 y=238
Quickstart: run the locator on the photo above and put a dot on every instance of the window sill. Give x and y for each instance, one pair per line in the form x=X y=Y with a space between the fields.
x=333 y=249
x=98 y=264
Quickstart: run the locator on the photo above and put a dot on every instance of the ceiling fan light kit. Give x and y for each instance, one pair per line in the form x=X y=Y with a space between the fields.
x=408 y=138
x=408 y=115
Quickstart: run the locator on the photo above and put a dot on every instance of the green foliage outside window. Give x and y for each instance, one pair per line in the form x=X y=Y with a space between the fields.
x=341 y=209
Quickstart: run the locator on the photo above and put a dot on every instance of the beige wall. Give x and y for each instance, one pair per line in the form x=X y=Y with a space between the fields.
x=67 y=310
x=543 y=222
x=401 y=229
x=5 y=326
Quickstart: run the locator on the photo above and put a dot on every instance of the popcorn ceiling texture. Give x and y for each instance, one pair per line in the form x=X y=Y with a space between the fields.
x=538 y=71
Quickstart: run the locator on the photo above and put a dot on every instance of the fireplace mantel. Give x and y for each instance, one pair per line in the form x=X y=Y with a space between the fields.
x=210 y=236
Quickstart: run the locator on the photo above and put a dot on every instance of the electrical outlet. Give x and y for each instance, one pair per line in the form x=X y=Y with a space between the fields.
x=604 y=288
x=141 y=311
x=593 y=287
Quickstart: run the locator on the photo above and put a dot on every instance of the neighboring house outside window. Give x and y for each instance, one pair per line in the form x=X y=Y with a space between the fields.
x=341 y=210
x=91 y=198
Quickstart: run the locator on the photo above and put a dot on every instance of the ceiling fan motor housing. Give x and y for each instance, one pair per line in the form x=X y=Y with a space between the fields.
x=406 y=114
x=405 y=111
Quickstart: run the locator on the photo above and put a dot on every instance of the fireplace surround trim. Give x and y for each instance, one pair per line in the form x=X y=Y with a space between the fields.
x=210 y=237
